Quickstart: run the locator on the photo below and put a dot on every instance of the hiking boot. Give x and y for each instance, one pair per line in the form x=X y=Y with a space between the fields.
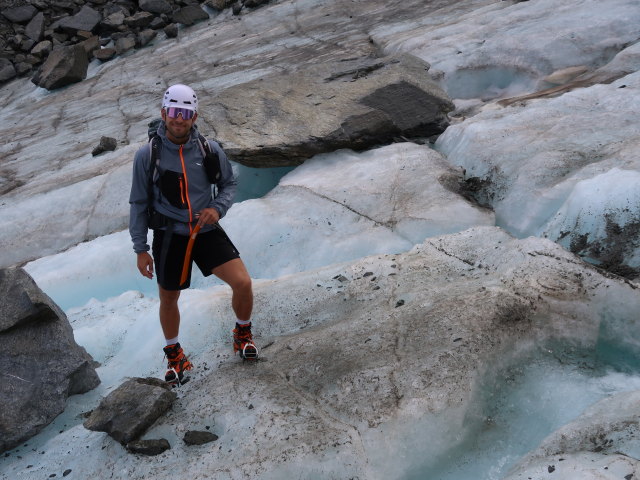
x=243 y=342
x=177 y=364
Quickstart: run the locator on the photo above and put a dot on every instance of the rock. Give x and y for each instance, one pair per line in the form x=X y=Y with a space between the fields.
x=157 y=23
x=20 y=14
x=219 y=4
x=105 y=54
x=113 y=21
x=107 y=144
x=139 y=20
x=35 y=28
x=356 y=104
x=193 y=437
x=86 y=19
x=46 y=364
x=254 y=3
x=171 y=30
x=90 y=45
x=7 y=70
x=190 y=15
x=63 y=66
x=144 y=37
x=42 y=49
x=23 y=68
x=124 y=44
x=149 y=447
x=127 y=412
x=155 y=6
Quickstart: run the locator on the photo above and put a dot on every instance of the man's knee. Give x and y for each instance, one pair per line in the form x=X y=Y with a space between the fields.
x=242 y=284
x=168 y=297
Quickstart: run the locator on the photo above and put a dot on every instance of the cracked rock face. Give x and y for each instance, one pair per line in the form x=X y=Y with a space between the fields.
x=42 y=363
x=283 y=119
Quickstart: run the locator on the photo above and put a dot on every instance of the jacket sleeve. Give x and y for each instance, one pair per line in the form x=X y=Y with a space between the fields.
x=227 y=184
x=138 y=201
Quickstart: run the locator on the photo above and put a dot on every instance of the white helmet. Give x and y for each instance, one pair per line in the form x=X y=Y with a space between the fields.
x=180 y=96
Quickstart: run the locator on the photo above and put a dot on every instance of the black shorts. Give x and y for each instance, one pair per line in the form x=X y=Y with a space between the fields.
x=210 y=250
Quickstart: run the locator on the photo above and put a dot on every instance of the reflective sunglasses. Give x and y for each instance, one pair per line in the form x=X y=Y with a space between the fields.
x=173 y=112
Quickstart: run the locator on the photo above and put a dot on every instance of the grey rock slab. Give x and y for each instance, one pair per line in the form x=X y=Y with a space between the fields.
x=35 y=28
x=19 y=14
x=286 y=118
x=42 y=363
x=63 y=66
x=86 y=19
x=127 y=412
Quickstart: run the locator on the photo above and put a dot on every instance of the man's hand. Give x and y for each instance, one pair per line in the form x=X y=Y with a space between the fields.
x=208 y=216
x=145 y=264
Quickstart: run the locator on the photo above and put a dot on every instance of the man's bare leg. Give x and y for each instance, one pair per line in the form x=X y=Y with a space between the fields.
x=235 y=274
x=169 y=312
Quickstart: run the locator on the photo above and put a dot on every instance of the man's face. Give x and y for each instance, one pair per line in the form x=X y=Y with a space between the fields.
x=178 y=128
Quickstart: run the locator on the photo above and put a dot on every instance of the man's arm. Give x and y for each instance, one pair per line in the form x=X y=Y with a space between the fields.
x=139 y=201
x=227 y=184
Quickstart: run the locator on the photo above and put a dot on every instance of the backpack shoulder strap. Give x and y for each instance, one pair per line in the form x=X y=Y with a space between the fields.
x=154 y=159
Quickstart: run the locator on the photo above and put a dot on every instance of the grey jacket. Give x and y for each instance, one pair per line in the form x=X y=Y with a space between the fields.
x=193 y=182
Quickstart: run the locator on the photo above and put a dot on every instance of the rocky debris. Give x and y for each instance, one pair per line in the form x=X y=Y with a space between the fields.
x=107 y=144
x=63 y=66
x=149 y=447
x=127 y=412
x=42 y=363
x=23 y=26
x=195 y=437
x=355 y=104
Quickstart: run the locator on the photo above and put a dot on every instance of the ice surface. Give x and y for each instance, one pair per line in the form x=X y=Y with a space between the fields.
x=548 y=157
x=503 y=48
x=333 y=208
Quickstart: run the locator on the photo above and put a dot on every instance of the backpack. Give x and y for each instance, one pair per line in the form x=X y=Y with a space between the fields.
x=211 y=163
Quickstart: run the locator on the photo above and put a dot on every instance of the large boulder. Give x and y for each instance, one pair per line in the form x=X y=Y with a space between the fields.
x=63 y=66
x=286 y=118
x=41 y=362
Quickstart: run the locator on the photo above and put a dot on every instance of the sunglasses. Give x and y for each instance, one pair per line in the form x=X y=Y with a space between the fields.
x=173 y=112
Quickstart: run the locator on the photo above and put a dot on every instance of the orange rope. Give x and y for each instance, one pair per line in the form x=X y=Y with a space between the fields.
x=187 y=255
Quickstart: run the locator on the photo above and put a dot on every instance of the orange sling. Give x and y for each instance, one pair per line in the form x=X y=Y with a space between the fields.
x=187 y=255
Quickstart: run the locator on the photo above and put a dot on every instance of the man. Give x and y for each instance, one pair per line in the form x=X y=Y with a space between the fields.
x=178 y=204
